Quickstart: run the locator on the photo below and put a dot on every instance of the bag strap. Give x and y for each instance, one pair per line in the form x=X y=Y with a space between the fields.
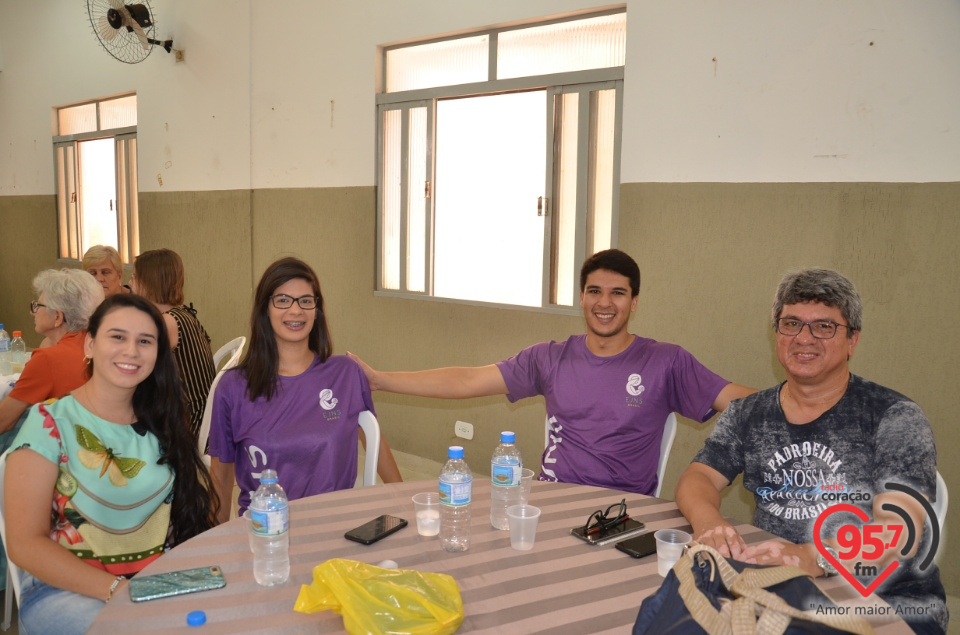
x=749 y=589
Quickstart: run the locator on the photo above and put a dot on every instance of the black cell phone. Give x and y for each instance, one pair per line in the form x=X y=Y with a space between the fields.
x=370 y=532
x=639 y=546
x=162 y=585
x=624 y=530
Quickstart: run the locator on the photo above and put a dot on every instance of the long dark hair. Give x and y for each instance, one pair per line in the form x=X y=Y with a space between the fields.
x=159 y=406
x=262 y=362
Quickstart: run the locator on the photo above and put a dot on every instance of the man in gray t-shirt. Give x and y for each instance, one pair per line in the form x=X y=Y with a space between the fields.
x=822 y=437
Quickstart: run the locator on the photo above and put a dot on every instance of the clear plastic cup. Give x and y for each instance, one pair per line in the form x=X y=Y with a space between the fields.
x=670 y=544
x=426 y=505
x=523 y=526
x=526 y=482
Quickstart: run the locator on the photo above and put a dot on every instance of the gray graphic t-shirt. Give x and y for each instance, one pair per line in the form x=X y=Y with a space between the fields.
x=872 y=436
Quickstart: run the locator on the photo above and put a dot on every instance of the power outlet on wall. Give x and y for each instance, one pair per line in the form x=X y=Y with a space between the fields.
x=463 y=430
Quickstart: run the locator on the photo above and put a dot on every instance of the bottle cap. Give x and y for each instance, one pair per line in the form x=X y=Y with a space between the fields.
x=196 y=618
x=17 y=333
x=268 y=476
x=508 y=437
x=455 y=452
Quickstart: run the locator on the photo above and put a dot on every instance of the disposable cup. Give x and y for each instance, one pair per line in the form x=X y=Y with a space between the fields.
x=670 y=544
x=526 y=482
x=523 y=526
x=427 y=508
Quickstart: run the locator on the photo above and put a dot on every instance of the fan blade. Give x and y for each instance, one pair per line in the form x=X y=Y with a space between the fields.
x=118 y=5
x=107 y=32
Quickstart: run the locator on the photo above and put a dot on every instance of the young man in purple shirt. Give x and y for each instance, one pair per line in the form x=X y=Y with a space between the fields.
x=608 y=392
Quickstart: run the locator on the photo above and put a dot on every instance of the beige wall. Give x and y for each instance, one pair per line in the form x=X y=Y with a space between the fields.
x=711 y=255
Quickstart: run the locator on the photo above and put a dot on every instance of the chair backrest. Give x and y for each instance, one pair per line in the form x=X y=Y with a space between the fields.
x=669 y=433
x=943 y=501
x=13 y=572
x=371 y=430
x=232 y=350
x=666 y=443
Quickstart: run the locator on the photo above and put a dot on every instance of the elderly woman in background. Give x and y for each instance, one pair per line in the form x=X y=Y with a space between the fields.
x=103 y=263
x=65 y=301
x=158 y=276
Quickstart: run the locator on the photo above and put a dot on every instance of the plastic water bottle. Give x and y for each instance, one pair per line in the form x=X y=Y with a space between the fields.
x=18 y=353
x=4 y=352
x=456 y=489
x=505 y=468
x=269 y=525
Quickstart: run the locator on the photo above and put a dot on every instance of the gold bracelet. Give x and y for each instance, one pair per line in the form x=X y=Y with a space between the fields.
x=113 y=587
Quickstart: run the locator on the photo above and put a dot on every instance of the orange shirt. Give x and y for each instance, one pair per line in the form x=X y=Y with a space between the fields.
x=52 y=372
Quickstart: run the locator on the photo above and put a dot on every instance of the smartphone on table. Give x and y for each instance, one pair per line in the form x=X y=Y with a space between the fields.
x=372 y=531
x=600 y=537
x=639 y=546
x=162 y=585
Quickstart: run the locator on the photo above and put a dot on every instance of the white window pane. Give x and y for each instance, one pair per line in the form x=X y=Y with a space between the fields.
x=67 y=220
x=438 y=64
x=127 y=204
x=603 y=105
x=489 y=175
x=565 y=208
x=118 y=113
x=417 y=200
x=567 y=46
x=77 y=119
x=98 y=190
x=390 y=203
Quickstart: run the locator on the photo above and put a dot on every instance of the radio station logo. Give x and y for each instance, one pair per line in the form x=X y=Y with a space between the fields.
x=867 y=544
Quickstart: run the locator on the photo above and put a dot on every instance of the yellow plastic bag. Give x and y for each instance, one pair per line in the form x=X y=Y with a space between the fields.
x=379 y=601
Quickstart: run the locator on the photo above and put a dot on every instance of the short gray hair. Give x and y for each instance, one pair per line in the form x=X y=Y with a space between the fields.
x=98 y=253
x=825 y=286
x=73 y=292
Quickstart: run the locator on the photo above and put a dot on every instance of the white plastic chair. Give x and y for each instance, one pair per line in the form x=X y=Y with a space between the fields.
x=13 y=572
x=669 y=433
x=371 y=430
x=232 y=350
x=940 y=508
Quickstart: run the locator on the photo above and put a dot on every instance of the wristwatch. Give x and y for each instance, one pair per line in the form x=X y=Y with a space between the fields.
x=826 y=565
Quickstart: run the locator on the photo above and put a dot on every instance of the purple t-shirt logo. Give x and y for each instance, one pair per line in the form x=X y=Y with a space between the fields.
x=634 y=387
x=327 y=400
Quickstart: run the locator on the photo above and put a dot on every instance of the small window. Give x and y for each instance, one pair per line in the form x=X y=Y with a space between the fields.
x=498 y=165
x=95 y=161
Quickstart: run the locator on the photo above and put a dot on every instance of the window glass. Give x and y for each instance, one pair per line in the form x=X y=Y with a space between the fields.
x=390 y=185
x=577 y=45
x=443 y=63
x=118 y=113
x=77 y=119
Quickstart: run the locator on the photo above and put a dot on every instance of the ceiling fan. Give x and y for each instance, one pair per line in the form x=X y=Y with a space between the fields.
x=126 y=31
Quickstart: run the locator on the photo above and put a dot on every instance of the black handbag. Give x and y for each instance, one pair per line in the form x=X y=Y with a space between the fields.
x=706 y=593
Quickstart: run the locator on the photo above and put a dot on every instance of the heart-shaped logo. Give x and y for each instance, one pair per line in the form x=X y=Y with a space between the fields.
x=862 y=515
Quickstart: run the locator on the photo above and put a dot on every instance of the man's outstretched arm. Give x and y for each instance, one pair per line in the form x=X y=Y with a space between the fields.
x=729 y=393
x=458 y=382
x=698 y=497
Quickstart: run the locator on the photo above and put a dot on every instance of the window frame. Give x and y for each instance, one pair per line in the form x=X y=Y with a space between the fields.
x=66 y=168
x=555 y=84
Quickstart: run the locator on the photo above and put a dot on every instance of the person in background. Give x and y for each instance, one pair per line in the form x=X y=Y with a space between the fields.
x=608 y=392
x=823 y=430
x=290 y=405
x=103 y=263
x=158 y=276
x=65 y=300
x=119 y=467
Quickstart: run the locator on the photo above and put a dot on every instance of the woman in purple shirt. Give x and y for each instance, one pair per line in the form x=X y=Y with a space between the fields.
x=290 y=405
